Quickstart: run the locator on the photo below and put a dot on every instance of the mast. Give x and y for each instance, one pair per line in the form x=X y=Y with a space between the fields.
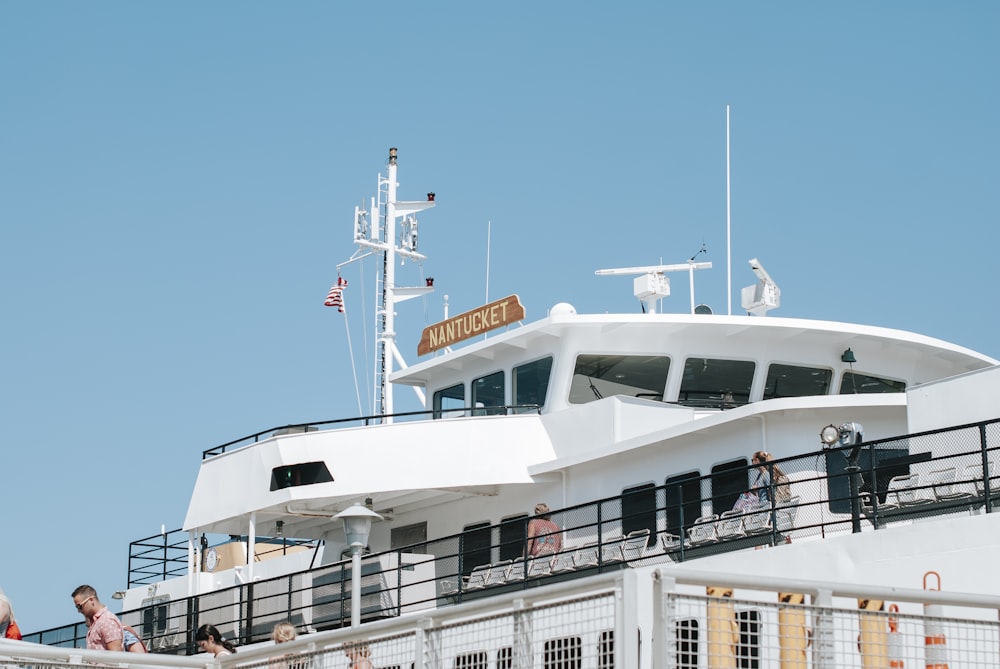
x=380 y=237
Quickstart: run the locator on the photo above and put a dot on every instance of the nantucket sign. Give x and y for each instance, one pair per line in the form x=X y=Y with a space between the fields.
x=465 y=326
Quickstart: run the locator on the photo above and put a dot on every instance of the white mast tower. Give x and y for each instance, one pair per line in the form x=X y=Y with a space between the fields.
x=380 y=238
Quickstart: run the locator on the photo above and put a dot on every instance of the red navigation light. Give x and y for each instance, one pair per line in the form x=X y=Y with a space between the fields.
x=430 y=281
x=430 y=197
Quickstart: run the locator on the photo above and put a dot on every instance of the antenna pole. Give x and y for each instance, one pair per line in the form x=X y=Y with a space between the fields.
x=388 y=291
x=729 y=253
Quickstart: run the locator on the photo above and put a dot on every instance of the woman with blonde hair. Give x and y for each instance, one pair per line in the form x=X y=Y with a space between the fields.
x=283 y=632
x=762 y=482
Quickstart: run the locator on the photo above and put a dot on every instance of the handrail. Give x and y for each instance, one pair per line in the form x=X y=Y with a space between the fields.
x=374 y=419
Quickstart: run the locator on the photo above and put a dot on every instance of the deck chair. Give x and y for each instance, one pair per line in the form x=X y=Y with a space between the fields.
x=703 y=530
x=539 y=566
x=784 y=515
x=976 y=472
x=515 y=573
x=477 y=577
x=671 y=542
x=910 y=491
x=611 y=551
x=634 y=546
x=562 y=562
x=498 y=573
x=586 y=556
x=730 y=525
x=947 y=487
x=757 y=522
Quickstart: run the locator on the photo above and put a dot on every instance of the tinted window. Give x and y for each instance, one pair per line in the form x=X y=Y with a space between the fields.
x=475 y=549
x=487 y=394
x=864 y=384
x=795 y=381
x=449 y=400
x=639 y=510
x=513 y=534
x=531 y=383
x=599 y=376
x=708 y=382
x=728 y=480
x=683 y=502
x=306 y=473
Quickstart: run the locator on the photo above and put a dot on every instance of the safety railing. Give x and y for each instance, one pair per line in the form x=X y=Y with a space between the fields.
x=667 y=618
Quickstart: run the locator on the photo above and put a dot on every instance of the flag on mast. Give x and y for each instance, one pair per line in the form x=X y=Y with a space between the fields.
x=335 y=298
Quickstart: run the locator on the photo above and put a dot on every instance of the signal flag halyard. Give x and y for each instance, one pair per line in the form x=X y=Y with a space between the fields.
x=335 y=298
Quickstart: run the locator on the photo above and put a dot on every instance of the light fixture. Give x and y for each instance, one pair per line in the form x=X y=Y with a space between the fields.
x=357 y=526
x=118 y=594
x=279 y=528
x=829 y=435
x=848 y=357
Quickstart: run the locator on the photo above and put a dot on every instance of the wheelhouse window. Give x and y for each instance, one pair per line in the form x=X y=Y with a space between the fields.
x=728 y=480
x=722 y=384
x=449 y=400
x=598 y=376
x=864 y=384
x=796 y=381
x=487 y=395
x=530 y=383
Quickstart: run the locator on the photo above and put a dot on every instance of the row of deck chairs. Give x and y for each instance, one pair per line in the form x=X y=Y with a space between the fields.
x=941 y=485
x=734 y=524
x=624 y=549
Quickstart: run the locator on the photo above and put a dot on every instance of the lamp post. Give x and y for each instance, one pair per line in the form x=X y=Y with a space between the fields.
x=357 y=525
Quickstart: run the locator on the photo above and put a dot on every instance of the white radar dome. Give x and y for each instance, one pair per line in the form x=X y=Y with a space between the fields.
x=562 y=309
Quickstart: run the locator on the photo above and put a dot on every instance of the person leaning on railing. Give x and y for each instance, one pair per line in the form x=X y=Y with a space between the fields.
x=544 y=536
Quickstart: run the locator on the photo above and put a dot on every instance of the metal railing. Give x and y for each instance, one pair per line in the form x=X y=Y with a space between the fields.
x=667 y=618
x=641 y=527
x=374 y=419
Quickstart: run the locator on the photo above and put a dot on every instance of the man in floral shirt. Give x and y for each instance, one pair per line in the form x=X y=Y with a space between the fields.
x=105 y=631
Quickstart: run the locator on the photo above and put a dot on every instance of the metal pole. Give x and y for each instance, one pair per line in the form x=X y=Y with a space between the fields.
x=356 y=585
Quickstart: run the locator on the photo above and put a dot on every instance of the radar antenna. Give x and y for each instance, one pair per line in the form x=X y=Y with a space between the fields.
x=652 y=283
x=759 y=299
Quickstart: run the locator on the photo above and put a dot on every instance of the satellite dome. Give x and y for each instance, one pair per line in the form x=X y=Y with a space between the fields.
x=562 y=309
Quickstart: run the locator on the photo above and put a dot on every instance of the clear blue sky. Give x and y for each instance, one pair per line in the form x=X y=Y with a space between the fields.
x=177 y=182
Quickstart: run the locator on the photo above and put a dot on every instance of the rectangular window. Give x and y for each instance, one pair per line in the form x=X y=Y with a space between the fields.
x=488 y=395
x=530 y=383
x=863 y=384
x=712 y=383
x=639 y=510
x=305 y=473
x=475 y=660
x=606 y=650
x=598 y=376
x=728 y=480
x=505 y=658
x=513 y=536
x=683 y=502
x=687 y=644
x=449 y=402
x=748 y=649
x=795 y=381
x=565 y=653
x=475 y=547
x=411 y=538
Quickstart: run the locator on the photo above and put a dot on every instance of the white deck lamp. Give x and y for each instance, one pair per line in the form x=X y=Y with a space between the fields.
x=357 y=526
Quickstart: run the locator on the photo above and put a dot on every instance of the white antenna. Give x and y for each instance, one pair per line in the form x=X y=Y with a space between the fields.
x=729 y=254
x=764 y=296
x=652 y=284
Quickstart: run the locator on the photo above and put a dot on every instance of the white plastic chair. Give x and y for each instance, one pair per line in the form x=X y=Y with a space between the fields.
x=703 y=531
x=947 y=487
x=730 y=525
x=634 y=546
x=478 y=577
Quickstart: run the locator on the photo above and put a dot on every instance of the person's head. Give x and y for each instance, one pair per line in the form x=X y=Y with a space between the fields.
x=542 y=511
x=283 y=632
x=760 y=458
x=86 y=602
x=210 y=640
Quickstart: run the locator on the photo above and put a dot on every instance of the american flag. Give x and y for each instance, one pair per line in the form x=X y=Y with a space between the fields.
x=335 y=298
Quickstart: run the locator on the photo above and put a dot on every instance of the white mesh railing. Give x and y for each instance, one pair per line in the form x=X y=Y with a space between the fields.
x=662 y=618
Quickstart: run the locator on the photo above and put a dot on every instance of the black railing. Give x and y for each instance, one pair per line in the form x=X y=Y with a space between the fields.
x=157 y=558
x=369 y=420
x=931 y=474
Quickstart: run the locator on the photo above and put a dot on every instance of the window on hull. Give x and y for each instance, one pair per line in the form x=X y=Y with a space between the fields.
x=728 y=480
x=598 y=376
x=513 y=537
x=475 y=547
x=683 y=502
x=639 y=510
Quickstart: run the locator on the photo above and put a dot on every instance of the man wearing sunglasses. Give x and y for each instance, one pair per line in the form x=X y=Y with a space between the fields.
x=105 y=630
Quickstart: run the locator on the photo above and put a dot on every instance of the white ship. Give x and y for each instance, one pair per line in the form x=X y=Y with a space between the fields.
x=637 y=431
